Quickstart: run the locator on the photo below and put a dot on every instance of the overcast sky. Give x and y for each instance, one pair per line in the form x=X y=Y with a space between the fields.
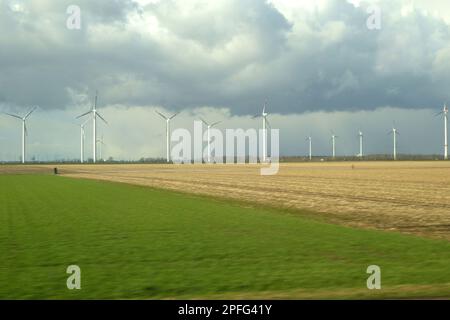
x=318 y=64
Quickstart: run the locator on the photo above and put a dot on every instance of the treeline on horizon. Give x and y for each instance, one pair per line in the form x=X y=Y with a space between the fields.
x=284 y=159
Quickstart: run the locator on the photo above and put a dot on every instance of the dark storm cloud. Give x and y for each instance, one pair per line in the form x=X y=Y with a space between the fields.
x=230 y=53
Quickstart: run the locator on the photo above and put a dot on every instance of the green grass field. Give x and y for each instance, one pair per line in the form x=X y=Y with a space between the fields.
x=139 y=243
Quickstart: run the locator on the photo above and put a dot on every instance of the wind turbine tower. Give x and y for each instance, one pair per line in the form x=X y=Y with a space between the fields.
x=168 y=119
x=24 y=130
x=209 y=126
x=445 y=113
x=309 y=139
x=361 y=137
x=264 y=116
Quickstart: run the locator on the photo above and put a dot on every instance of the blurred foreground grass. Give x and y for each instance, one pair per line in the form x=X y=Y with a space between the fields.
x=140 y=243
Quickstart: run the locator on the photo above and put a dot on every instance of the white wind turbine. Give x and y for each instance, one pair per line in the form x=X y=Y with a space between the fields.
x=24 y=130
x=168 y=119
x=310 y=147
x=395 y=132
x=445 y=113
x=361 y=138
x=82 y=138
x=102 y=143
x=333 y=140
x=209 y=126
x=266 y=124
x=95 y=114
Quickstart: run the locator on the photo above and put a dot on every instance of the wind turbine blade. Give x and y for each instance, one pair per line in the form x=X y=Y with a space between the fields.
x=84 y=114
x=85 y=123
x=265 y=106
x=203 y=120
x=439 y=113
x=100 y=116
x=29 y=113
x=96 y=98
x=161 y=115
x=174 y=116
x=13 y=115
x=26 y=130
x=216 y=123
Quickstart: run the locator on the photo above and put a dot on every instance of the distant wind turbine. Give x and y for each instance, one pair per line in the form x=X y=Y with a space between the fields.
x=209 y=126
x=95 y=114
x=168 y=119
x=266 y=124
x=333 y=140
x=361 y=138
x=102 y=143
x=82 y=138
x=310 y=147
x=24 y=130
x=444 y=112
x=395 y=132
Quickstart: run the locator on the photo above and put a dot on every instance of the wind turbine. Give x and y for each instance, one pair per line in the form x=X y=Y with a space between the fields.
x=310 y=147
x=264 y=115
x=395 y=132
x=102 y=143
x=167 y=133
x=82 y=137
x=361 y=137
x=24 y=130
x=333 y=139
x=445 y=113
x=209 y=136
x=95 y=114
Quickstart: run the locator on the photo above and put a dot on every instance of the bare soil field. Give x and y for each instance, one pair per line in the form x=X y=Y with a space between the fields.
x=410 y=197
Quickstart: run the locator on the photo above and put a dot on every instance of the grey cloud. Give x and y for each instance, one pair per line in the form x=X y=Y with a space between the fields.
x=223 y=53
x=216 y=24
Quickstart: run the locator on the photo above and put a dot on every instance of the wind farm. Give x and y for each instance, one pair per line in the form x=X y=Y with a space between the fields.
x=364 y=151
x=224 y=150
x=379 y=198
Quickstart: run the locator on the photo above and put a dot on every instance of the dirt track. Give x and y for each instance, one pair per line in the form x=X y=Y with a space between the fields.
x=412 y=197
